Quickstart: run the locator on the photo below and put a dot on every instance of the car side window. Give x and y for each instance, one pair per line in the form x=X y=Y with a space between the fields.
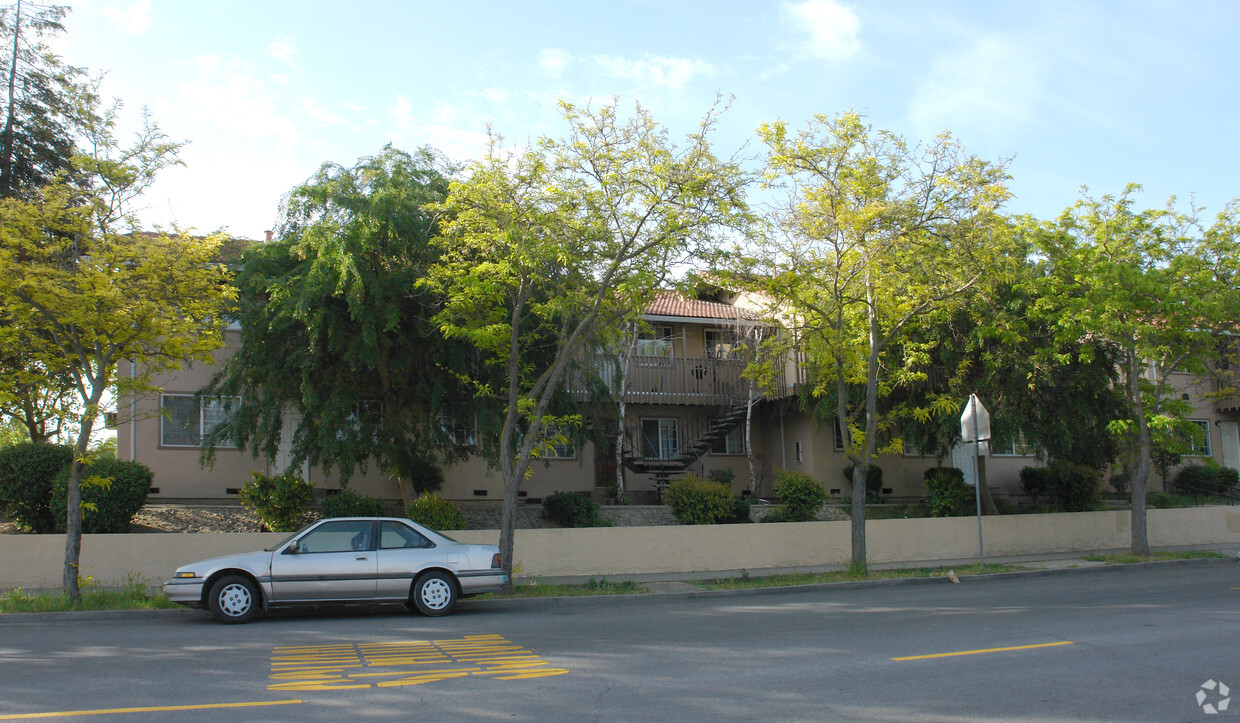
x=394 y=536
x=338 y=536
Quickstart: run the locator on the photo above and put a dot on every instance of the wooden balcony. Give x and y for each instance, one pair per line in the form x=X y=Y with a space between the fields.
x=676 y=380
x=1230 y=402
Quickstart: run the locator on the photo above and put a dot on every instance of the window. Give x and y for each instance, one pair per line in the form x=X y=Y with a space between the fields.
x=798 y=450
x=721 y=344
x=561 y=449
x=342 y=536
x=1201 y=445
x=1012 y=446
x=395 y=535
x=655 y=342
x=187 y=419
x=659 y=439
x=731 y=443
x=839 y=435
x=461 y=428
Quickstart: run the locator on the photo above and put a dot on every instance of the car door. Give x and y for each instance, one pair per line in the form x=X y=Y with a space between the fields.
x=402 y=552
x=334 y=561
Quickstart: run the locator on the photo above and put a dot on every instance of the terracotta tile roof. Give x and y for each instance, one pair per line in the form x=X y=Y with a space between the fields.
x=670 y=303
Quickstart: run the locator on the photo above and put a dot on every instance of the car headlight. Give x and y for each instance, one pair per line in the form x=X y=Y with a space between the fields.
x=185 y=575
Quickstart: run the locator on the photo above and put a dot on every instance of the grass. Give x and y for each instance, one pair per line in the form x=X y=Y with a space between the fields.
x=1124 y=558
x=134 y=595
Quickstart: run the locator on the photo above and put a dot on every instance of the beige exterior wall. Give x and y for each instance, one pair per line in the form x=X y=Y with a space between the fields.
x=34 y=561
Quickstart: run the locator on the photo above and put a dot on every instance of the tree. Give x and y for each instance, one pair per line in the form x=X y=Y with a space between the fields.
x=875 y=235
x=1158 y=286
x=84 y=295
x=548 y=250
x=47 y=103
x=336 y=329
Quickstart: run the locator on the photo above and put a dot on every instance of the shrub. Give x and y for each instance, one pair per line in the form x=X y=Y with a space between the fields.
x=115 y=500
x=724 y=477
x=1200 y=478
x=949 y=495
x=873 y=482
x=801 y=494
x=281 y=502
x=741 y=507
x=570 y=509
x=1035 y=482
x=27 y=473
x=1121 y=481
x=348 y=503
x=431 y=510
x=697 y=501
x=1073 y=487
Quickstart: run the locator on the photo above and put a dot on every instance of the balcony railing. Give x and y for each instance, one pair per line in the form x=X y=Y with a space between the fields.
x=675 y=380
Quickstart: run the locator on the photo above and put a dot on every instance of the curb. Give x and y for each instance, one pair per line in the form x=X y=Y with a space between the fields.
x=575 y=601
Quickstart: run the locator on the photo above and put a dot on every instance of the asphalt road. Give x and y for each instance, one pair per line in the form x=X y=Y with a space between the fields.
x=1122 y=644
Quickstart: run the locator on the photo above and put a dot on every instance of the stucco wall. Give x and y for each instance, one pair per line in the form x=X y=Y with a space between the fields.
x=34 y=561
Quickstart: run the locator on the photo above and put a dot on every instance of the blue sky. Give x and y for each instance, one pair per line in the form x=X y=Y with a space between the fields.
x=1077 y=93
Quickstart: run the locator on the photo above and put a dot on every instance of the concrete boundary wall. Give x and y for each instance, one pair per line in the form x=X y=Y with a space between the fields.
x=34 y=561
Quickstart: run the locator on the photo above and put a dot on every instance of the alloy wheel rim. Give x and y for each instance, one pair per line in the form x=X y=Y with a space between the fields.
x=235 y=600
x=436 y=594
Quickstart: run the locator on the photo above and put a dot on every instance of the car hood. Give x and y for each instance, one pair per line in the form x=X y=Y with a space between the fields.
x=258 y=562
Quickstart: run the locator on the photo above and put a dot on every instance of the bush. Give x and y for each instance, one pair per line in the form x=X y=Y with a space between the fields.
x=802 y=496
x=1121 y=481
x=873 y=482
x=949 y=495
x=741 y=507
x=281 y=502
x=570 y=509
x=431 y=510
x=1035 y=482
x=1203 y=479
x=348 y=503
x=697 y=501
x=27 y=473
x=116 y=500
x=1073 y=487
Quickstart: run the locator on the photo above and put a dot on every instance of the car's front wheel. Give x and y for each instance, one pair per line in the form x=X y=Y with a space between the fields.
x=434 y=593
x=233 y=599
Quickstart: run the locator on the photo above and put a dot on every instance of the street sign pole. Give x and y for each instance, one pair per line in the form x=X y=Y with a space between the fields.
x=975 y=428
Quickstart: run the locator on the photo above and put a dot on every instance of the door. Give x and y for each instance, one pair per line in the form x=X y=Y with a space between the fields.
x=1231 y=444
x=334 y=561
x=403 y=551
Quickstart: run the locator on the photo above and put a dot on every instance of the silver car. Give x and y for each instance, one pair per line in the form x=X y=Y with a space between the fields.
x=346 y=559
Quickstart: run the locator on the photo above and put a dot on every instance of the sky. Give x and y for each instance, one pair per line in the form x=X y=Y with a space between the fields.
x=1097 y=94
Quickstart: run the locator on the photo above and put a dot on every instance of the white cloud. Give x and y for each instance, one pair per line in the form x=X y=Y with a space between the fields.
x=992 y=85
x=283 y=49
x=554 y=61
x=456 y=132
x=134 y=20
x=832 y=28
x=227 y=100
x=674 y=73
x=318 y=111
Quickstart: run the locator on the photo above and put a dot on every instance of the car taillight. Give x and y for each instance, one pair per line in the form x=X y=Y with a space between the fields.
x=496 y=561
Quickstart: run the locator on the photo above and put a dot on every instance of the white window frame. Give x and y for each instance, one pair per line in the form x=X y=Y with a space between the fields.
x=1204 y=449
x=664 y=426
x=568 y=450
x=210 y=415
x=461 y=431
x=731 y=444
x=1017 y=447
x=723 y=346
x=655 y=342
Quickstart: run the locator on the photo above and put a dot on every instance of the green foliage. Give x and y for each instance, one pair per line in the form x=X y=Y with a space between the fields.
x=1120 y=480
x=113 y=492
x=802 y=496
x=347 y=503
x=335 y=324
x=435 y=512
x=741 y=507
x=949 y=495
x=570 y=509
x=27 y=473
x=1035 y=482
x=1073 y=487
x=724 y=477
x=697 y=501
x=873 y=482
x=1207 y=479
x=281 y=502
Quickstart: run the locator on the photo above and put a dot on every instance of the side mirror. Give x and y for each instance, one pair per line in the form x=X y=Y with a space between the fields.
x=293 y=548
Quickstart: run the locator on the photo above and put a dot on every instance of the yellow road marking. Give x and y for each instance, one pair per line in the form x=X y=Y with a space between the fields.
x=153 y=709
x=987 y=650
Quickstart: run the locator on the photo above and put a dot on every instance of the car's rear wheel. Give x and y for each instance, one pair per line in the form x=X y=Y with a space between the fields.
x=434 y=593
x=233 y=599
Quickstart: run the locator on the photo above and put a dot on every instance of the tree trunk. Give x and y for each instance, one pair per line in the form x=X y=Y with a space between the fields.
x=1141 y=467
x=983 y=489
x=73 y=504
x=6 y=139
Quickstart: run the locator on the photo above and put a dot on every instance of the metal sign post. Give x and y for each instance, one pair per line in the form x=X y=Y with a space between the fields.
x=975 y=428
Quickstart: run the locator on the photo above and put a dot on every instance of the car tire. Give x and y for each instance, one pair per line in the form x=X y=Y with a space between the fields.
x=434 y=593
x=233 y=599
